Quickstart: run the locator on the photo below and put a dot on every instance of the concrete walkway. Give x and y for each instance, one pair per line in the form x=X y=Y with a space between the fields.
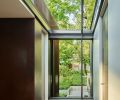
x=75 y=91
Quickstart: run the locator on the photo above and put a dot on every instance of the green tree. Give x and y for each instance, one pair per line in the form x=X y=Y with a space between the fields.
x=66 y=51
x=67 y=13
x=70 y=52
x=88 y=13
x=86 y=53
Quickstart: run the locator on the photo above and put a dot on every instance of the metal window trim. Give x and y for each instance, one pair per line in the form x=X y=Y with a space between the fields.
x=96 y=15
x=93 y=22
x=93 y=14
x=36 y=16
x=66 y=36
x=69 y=31
x=104 y=7
x=81 y=46
x=91 y=64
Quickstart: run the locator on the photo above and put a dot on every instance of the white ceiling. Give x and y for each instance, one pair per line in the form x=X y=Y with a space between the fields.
x=14 y=9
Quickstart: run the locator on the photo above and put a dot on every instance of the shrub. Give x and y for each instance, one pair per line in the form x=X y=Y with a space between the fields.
x=62 y=94
x=69 y=77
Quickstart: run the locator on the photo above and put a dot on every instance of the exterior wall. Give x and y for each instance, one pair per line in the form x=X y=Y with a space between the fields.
x=97 y=60
x=113 y=50
x=17 y=59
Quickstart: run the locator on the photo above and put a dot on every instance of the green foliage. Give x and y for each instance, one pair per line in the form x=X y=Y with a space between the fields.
x=67 y=13
x=62 y=10
x=69 y=77
x=62 y=94
x=70 y=52
x=67 y=51
x=86 y=53
x=88 y=13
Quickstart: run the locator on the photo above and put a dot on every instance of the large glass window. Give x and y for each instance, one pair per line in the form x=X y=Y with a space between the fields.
x=64 y=14
x=70 y=68
x=75 y=75
x=67 y=13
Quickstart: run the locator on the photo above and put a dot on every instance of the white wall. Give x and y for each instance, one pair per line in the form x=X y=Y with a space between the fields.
x=38 y=63
x=14 y=9
x=113 y=54
x=41 y=63
x=97 y=59
x=114 y=49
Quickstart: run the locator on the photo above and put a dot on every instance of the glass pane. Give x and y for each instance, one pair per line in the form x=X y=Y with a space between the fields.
x=69 y=68
x=73 y=80
x=66 y=13
x=87 y=74
x=88 y=13
x=70 y=79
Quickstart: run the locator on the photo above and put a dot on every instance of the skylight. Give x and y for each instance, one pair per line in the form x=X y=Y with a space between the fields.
x=67 y=13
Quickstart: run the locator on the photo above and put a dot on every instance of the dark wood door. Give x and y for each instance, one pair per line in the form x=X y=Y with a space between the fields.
x=17 y=59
